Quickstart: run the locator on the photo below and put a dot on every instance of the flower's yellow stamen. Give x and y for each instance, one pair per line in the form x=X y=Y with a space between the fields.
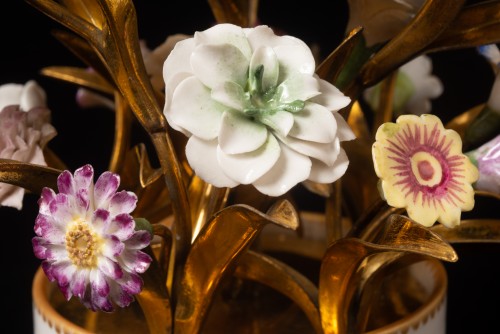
x=81 y=244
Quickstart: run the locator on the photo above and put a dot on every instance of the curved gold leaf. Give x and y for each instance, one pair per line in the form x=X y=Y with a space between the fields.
x=88 y=10
x=359 y=124
x=378 y=267
x=332 y=67
x=205 y=200
x=154 y=202
x=85 y=52
x=155 y=300
x=384 y=113
x=122 y=134
x=475 y=25
x=282 y=278
x=213 y=254
x=28 y=176
x=432 y=19
x=479 y=227
x=79 y=76
x=240 y=12
x=349 y=263
x=471 y=231
x=371 y=219
x=163 y=248
x=403 y=234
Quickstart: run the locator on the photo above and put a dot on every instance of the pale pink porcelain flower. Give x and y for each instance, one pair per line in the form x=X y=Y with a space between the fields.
x=254 y=110
x=25 y=129
x=422 y=168
x=87 y=239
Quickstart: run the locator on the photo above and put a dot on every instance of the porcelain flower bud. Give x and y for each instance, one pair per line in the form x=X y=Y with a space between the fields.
x=25 y=130
x=487 y=159
x=422 y=169
x=87 y=240
x=381 y=19
x=415 y=87
x=254 y=110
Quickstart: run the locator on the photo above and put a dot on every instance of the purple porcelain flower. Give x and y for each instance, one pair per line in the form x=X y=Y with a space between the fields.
x=422 y=169
x=25 y=129
x=487 y=159
x=87 y=239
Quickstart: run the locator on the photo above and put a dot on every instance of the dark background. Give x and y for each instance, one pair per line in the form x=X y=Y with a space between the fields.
x=85 y=136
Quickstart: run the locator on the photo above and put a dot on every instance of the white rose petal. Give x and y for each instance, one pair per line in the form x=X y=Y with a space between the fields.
x=290 y=169
x=202 y=157
x=246 y=168
x=238 y=134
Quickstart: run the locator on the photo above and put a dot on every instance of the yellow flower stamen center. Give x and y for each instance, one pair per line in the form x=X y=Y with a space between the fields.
x=82 y=245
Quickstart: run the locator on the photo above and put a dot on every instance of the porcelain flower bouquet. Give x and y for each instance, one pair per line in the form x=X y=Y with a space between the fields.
x=237 y=116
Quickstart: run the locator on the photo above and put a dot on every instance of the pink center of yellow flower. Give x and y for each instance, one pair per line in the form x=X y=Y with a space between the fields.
x=425 y=169
x=81 y=244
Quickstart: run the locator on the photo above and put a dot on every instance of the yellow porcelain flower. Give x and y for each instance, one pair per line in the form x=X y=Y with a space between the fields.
x=422 y=168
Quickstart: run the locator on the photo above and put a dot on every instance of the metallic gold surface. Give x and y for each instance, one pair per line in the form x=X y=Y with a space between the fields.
x=385 y=109
x=206 y=241
x=79 y=76
x=350 y=264
x=333 y=69
x=471 y=231
x=432 y=19
x=283 y=278
x=239 y=12
x=110 y=28
x=475 y=25
x=219 y=245
x=29 y=176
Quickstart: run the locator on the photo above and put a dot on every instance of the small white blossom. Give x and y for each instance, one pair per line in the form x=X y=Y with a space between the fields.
x=415 y=87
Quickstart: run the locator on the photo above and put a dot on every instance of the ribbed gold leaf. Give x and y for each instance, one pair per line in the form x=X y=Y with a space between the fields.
x=28 y=176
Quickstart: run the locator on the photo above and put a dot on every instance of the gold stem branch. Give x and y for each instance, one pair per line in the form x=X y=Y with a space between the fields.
x=385 y=108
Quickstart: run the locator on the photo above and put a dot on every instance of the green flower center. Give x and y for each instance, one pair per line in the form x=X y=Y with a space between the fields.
x=261 y=102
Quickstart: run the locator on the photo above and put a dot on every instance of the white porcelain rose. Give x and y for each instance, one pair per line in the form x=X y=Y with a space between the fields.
x=25 y=130
x=254 y=110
